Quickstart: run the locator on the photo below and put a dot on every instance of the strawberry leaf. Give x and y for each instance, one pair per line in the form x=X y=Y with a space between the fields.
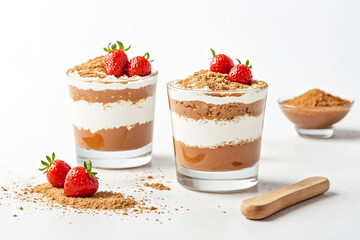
x=147 y=56
x=108 y=48
x=88 y=168
x=238 y=60
x=45 y=163
x=113 y=46
x=213 y=52
x=121 y=46
x=48 y=163
x=85 y=166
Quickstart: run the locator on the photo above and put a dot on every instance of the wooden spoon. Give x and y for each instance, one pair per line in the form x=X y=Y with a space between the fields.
x=264 y=205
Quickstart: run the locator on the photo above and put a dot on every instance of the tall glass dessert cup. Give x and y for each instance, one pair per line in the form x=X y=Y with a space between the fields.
x=113 y=118
x=217 y=136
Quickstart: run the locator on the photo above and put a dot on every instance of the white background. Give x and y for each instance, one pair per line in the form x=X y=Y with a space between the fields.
x=293 y=45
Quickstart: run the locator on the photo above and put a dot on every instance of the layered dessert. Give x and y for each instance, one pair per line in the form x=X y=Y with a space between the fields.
x=315 y=109
x=217 y=120
x=217 y=124
x=112 y=109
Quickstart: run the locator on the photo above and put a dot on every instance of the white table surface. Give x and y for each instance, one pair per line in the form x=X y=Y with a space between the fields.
x=316 y=46
x=286 y=158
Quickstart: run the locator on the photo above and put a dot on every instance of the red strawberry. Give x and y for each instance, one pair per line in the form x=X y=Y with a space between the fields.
x=220 y=63
x=116 y=61
x=81 y=182
x=139 y=66
x=241 y=73
x=55 y=170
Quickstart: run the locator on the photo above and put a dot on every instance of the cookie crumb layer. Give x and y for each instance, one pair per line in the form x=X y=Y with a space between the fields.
x=92 y=68
x=206 y=79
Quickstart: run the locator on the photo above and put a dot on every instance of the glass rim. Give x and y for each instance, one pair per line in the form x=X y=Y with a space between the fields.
x=280 y=100
x=170 y=85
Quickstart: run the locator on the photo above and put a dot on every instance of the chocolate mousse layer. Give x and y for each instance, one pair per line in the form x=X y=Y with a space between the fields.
x=115 y=139
x=222 y=158
x=110 y=95
x=201 y=110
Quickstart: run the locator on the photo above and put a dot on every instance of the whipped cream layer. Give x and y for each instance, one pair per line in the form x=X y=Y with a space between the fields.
x=97 y=116
x=111 y=82
x=213 y=133
x=248 y=96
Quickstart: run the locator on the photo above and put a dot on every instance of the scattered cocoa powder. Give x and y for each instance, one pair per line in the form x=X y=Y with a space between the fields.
x=157 y=186
x=215 y=81
x=92 y=68
x=104 y=200
x=47 y=197
x=316 y=98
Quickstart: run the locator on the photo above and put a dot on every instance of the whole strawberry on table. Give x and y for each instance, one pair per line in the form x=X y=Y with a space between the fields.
x=55 y=170
x=77 y=182
x=81 y=181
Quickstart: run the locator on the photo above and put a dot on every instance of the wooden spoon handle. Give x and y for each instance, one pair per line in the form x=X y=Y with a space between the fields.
x=266 y=204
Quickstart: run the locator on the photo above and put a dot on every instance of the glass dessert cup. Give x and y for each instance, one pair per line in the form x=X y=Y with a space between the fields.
x=113 y=119
x=217 y=137
x=314 y=122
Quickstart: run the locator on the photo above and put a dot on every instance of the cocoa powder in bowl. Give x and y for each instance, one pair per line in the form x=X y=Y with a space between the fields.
x=316 y=98
x=315 y=109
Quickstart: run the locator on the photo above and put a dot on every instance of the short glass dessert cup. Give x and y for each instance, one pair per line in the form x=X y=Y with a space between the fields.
x=113 y=119
x=314 y=122
x=217 y=137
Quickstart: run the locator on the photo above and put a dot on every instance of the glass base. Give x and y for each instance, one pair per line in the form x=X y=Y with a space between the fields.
x=315 y=133
x=219 y=182
x=115 y=159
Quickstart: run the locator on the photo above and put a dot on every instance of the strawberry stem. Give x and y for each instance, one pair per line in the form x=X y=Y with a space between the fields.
x=88 y=168
x=48 y=163
x=147 y=56
x=112 y=47
x=247 y=63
